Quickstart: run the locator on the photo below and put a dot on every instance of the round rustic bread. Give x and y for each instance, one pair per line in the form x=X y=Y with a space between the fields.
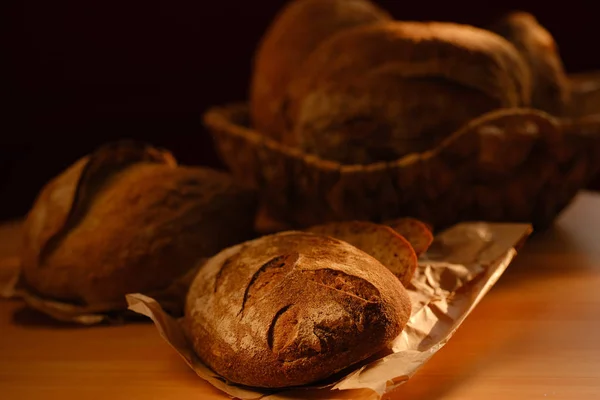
x=291 y=309
x=294 y=33
x=127 y=219
x=380 y=91
x=550 y=85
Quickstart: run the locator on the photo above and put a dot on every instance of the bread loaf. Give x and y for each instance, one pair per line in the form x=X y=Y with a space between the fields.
x=291 y=309
x=380 y=91
x=127 y=219
x=295 y=32
x=550 y=85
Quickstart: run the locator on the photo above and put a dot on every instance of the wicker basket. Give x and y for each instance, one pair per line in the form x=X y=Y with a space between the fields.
x=514 y=165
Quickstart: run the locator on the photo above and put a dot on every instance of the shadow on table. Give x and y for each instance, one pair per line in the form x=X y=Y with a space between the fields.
x=452 y=367
x=30 y=318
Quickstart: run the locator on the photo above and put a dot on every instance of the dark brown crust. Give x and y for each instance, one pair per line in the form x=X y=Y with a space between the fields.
x=127 y=219
x=381 y=91
x=419 y=49
x=495 y=168
x=99 y=167
x=318 y=305
x=384 y=116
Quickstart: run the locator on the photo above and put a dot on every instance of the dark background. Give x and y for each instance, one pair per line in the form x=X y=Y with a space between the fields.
x=85 y=72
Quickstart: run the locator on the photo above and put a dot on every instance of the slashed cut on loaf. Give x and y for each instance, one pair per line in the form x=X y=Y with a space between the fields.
x=128 y=219
x=291 y=309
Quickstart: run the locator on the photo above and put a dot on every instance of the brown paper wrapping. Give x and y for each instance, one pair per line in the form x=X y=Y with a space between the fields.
x=12 y=286
x=461 y=266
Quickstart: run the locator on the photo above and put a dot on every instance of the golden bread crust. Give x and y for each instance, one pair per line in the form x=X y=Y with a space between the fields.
x=110 y=226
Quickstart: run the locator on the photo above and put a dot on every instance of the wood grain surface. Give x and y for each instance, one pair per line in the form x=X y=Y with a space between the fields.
x=536 y=335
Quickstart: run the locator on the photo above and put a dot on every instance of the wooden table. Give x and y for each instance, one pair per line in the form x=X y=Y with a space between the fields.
x=536 y=335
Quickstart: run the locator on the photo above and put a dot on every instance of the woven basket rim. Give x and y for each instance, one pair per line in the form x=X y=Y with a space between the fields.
x=220 y=117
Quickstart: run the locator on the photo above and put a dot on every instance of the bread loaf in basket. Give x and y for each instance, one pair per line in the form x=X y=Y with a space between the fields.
x=438 y=121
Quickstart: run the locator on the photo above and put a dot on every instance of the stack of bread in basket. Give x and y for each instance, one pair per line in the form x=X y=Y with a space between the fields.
x=359 y=127
x=354 y=115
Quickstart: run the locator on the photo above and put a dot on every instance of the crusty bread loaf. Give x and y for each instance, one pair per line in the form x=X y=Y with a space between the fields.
x=380 y=91
x=291 y=309
x=119 y=221
x=295 y=32
x=550 y=85
x=376 y=240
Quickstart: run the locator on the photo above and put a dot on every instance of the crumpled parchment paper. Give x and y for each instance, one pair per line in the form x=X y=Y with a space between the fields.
x=461 y=266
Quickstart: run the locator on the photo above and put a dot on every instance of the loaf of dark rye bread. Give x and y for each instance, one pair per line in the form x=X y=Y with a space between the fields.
x=381 y=91
x=291 y=309
x=128 y=219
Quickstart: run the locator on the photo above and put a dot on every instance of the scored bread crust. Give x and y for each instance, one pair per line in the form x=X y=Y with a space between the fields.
x=123 y=220
x=291 y=309
x=295 y=32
